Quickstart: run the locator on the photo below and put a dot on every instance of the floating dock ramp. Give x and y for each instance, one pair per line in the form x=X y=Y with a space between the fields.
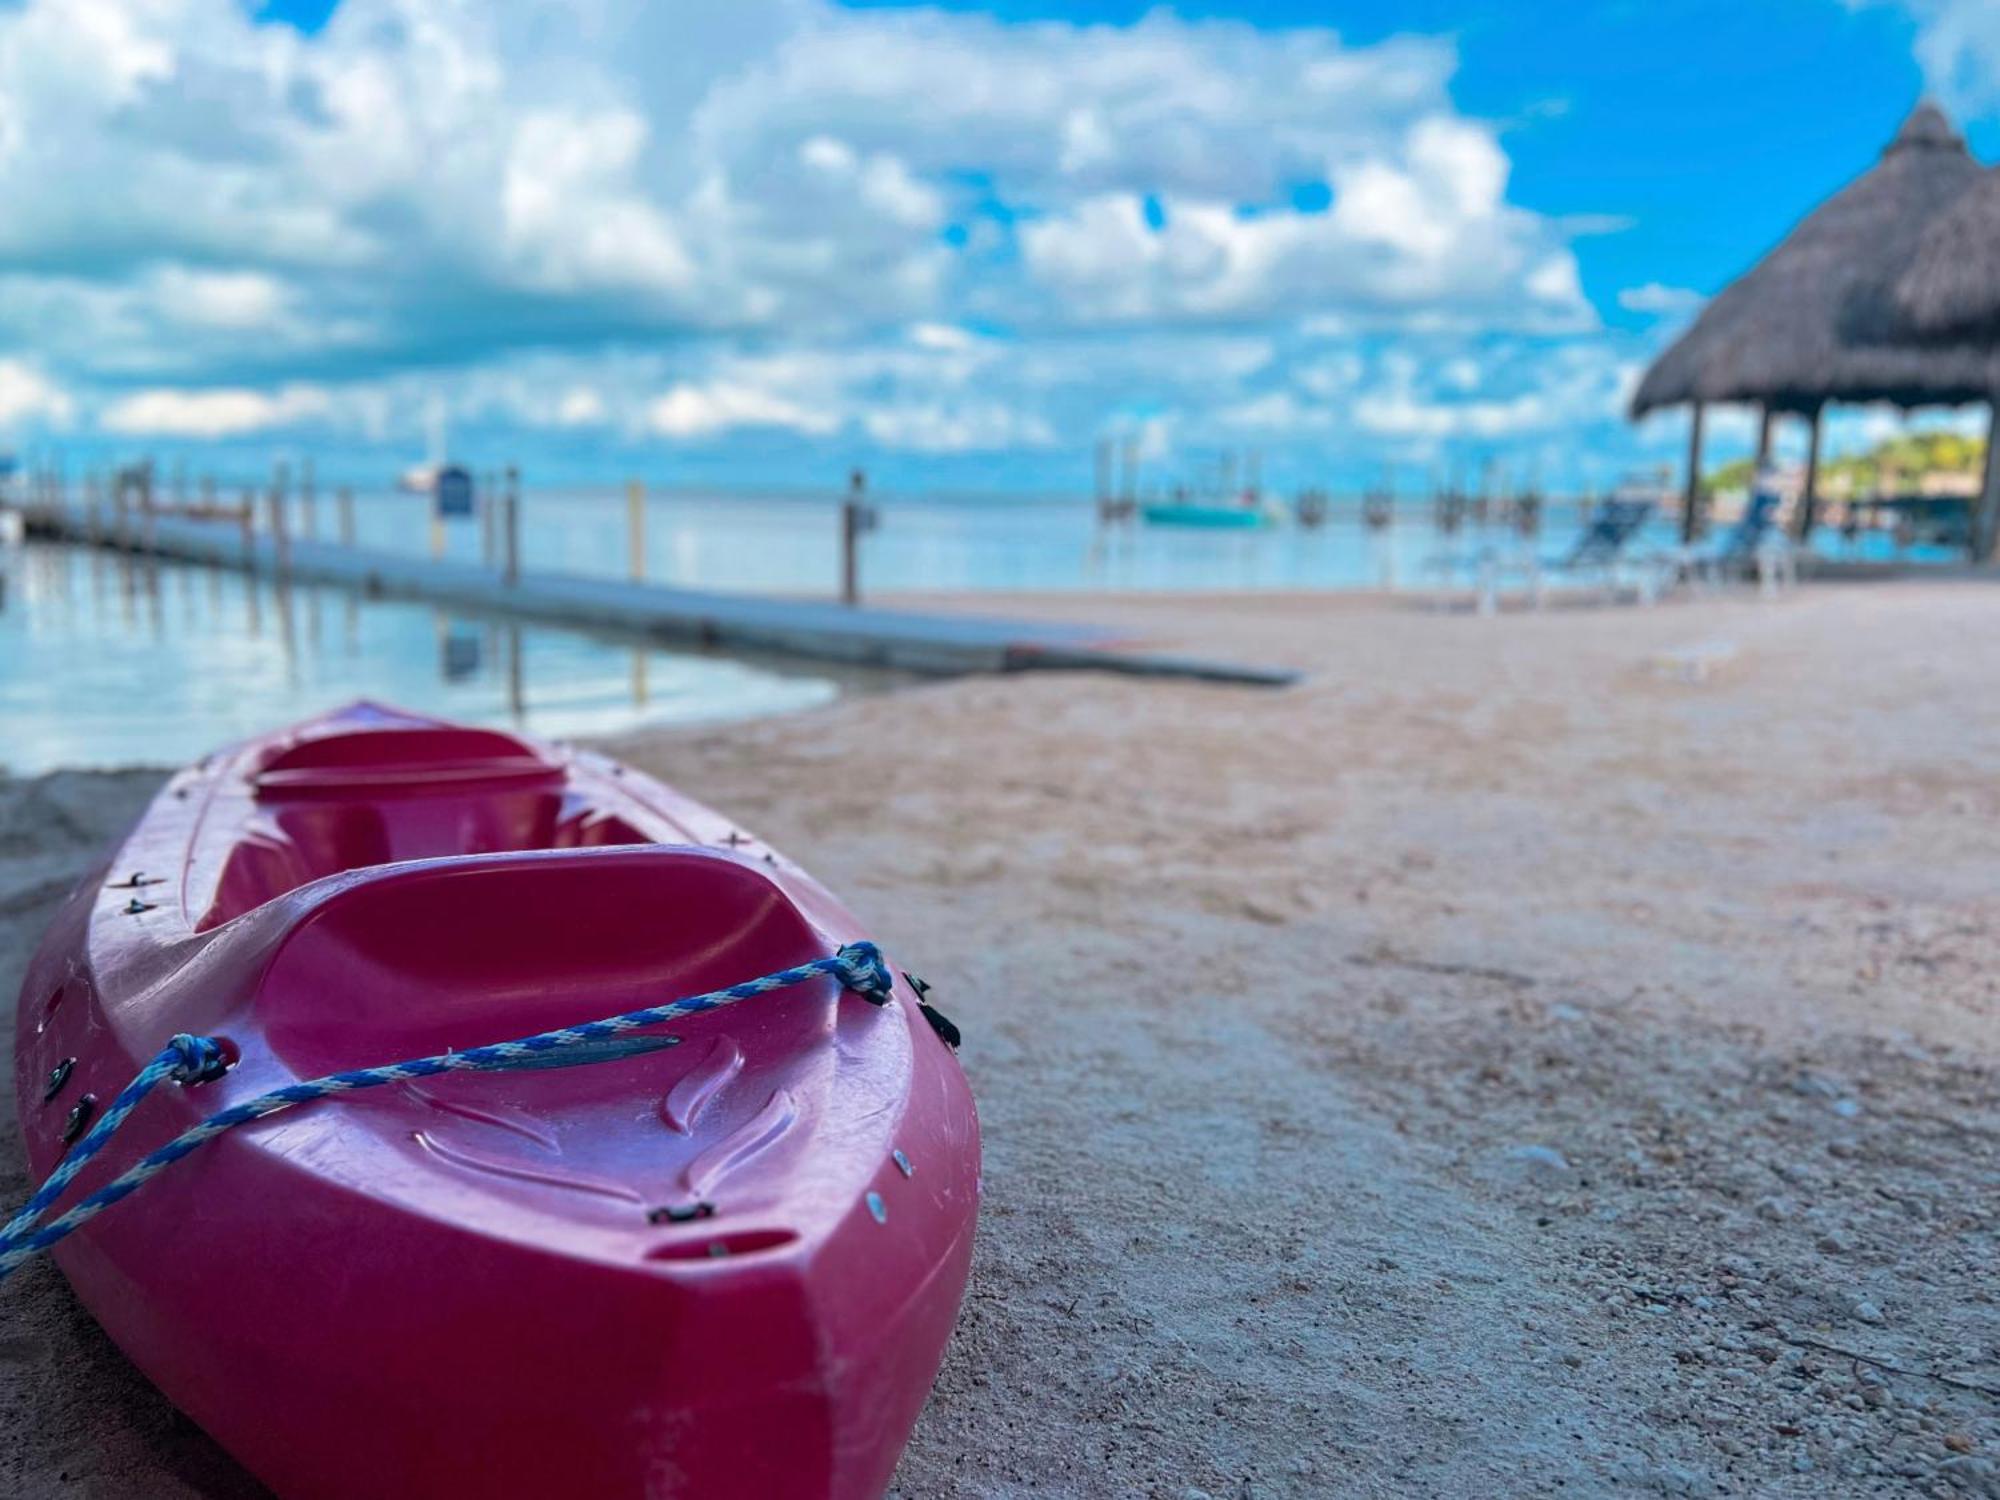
x=907 y=640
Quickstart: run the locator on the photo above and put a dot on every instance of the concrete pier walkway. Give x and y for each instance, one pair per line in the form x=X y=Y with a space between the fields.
x=823 y=631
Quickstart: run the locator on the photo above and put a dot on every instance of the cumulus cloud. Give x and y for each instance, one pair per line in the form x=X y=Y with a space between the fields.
x=1659 y=301
x=228 y=412
x=700 y=411
x=27 y=395
x=919 y=231
x=1958 y=47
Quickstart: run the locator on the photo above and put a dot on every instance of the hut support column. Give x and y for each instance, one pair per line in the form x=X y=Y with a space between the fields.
x=1691 y=501
x=1986 y=515
x=1809 y=501
x=1766 y=419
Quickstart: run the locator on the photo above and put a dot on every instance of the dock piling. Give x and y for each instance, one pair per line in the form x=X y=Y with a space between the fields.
x=308 y=502
x=345 y=500
x=488 y=502
x=854 y=519
x=512 y=525
x=121 y=508
x=635 y=527
x=280 y=539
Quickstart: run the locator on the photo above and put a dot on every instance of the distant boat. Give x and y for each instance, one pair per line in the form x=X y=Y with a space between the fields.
x=1245 y=515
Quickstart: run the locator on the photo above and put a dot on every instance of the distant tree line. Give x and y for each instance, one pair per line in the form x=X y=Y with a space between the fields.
x=1892 y=464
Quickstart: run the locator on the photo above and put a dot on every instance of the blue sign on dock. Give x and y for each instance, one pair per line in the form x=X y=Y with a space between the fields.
x=453 y=491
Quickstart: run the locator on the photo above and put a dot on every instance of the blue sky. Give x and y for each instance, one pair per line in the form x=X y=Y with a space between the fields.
x=764 y=240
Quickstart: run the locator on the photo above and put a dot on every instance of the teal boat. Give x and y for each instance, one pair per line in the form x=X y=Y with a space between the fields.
x=1212 y=517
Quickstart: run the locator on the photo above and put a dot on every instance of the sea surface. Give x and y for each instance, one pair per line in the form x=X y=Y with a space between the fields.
x=109 y=661
x=791 y=543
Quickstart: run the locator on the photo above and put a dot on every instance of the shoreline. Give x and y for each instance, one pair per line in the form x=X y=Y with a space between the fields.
x=1504 y=1061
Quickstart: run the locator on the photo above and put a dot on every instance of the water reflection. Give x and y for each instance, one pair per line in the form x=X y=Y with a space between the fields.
x=107 y=659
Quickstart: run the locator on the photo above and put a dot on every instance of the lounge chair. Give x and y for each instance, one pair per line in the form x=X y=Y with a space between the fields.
x=1613 y=525
x=1754 y=546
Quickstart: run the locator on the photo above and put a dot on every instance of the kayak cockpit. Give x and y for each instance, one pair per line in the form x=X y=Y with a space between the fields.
x=456 y=953
x=373 y=794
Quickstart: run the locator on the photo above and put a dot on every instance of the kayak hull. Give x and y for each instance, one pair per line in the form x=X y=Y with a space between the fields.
x=724 y=1267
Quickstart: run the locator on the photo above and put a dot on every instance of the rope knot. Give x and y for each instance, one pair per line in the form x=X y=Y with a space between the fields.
x=864 y=971
x=200 y=1059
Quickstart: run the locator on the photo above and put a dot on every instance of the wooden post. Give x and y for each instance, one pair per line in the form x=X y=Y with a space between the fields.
x=517 y=697
x=1129 y=491
x=1101 y=480
x=852 y=510
x=308 y=502
x=1766 y=421
x=512 y=528
x=1986 y=516
x=246 y=517
x=1809 y=501
x=280 y=541
x=635 y=528
x=345 y=499
x=1691 y=501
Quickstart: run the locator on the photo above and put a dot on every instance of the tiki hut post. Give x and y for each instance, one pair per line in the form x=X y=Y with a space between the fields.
x=1986 y=511
x=1766 y=419
x=1691 y=501
x=1809 y=501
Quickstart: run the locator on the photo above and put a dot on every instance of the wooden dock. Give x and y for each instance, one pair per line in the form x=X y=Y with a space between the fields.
x=907 y=640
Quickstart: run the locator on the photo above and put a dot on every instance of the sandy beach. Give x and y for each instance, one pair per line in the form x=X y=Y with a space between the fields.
x=1553 y=1054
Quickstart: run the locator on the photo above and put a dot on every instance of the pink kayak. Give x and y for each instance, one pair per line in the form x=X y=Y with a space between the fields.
x=717 y=1257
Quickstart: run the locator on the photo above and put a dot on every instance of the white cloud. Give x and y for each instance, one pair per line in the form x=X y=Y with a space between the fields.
x=581 y=406
x=967 y=427
x=701 y=411
x=1422 y=222
x=1958 y=47
x=27 y=395
x=1660 y=301
x=479 y=178
x=573 y=218
x=232 y=301
x=221 y=413
x=684 y=223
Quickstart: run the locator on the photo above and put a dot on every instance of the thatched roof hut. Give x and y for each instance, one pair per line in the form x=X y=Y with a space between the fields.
x=1816 y=320
x=1819 y=319
x=1951 y=288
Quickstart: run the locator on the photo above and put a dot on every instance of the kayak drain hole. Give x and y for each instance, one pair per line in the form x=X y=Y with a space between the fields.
x=724 y=1246
x=50 y=1007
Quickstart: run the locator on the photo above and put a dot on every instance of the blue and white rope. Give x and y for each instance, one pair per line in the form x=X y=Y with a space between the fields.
x=188 y=1059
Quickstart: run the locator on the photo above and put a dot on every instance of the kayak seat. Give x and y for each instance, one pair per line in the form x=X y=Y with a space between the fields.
x=445 y=955
x=350 y=801
x=400 y=763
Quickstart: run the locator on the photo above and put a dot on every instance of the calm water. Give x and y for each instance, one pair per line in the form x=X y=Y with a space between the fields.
x=791 y=545
x=104 y=661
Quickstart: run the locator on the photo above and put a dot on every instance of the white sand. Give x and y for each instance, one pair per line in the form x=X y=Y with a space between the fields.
x=1490 y=1067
